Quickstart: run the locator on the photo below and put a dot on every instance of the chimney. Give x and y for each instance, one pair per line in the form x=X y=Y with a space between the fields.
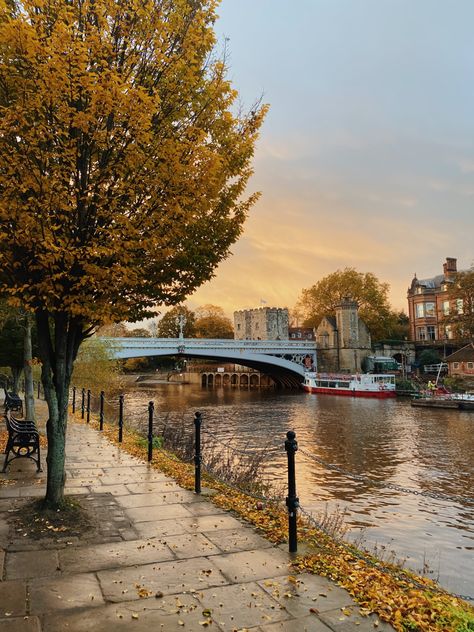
x=450 y=267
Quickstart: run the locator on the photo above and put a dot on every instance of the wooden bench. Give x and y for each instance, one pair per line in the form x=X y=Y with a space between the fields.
x=23 y=441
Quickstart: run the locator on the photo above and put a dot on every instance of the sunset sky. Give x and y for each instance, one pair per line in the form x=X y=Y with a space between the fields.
x=366 y=158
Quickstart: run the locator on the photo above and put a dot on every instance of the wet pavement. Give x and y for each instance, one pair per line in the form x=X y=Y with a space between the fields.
x=160 y=558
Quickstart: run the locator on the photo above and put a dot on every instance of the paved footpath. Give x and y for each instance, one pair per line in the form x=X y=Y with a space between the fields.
x=162 y=558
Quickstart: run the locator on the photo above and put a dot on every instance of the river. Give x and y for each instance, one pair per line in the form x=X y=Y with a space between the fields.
x=387 y=441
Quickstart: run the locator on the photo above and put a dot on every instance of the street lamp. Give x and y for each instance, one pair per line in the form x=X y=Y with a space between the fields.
x=181 y=321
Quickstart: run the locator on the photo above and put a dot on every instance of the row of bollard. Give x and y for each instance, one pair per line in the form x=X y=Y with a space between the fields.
x=291 y=446
x=292 y=500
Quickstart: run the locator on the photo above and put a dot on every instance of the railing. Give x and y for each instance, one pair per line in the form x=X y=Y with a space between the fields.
x=434 y=368
x=206 y=343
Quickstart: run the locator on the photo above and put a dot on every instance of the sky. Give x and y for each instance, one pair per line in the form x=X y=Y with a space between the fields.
x=366 y=158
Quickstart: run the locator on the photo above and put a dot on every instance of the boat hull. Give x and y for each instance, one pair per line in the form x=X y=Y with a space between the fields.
x=382 y=394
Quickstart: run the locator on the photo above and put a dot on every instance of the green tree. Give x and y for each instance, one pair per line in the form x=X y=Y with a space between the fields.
x=461 y=297
x=168 y=326
x=95 y=368
x=211 y=322
x=371 y=294
x=397 y=326
x=123 y=167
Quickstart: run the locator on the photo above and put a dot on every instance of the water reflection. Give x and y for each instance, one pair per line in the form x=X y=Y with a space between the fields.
x=385 y=441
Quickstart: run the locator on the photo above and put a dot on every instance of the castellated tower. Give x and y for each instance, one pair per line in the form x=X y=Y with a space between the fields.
x=265 y=323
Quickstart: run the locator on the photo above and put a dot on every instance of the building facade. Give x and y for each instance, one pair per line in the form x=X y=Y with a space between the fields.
x=429 y=305
x=264 y=323
x=343 y=341
x=461 y=363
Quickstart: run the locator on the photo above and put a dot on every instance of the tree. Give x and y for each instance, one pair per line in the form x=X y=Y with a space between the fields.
x=372 y=296
x=16 y=342
x=211 y=322
x=168 y=326
x=139 y=332
x=123 y=164
x=397 y=326
x=113 y=330
x=95 y=368
x=461 y=297
x=11 y=349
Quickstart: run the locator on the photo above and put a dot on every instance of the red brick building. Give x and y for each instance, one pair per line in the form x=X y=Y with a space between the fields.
x=429 y=304
x=461 y=362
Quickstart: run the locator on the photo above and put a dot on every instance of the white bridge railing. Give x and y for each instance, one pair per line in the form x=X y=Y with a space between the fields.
x=257 y=346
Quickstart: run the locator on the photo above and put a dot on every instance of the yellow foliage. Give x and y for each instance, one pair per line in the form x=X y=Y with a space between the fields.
x=122 y=162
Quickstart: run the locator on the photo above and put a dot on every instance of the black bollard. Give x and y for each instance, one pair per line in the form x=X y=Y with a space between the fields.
x=101 y=410
x=39 y=386
x=83 y=402
x=292 y=500
x=88 y=409
x=151 y=407
x=197 y=452
x=120 y=436
x=73 y=398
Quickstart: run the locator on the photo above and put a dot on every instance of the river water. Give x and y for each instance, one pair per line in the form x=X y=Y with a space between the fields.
x=388 y=441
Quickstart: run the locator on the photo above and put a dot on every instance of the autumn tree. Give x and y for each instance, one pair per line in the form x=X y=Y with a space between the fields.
x=364 y=287
x=123 y=166
x=168 y=326
x=211 y=322
x=461 y=297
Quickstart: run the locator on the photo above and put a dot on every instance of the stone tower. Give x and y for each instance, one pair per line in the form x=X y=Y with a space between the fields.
x=348 y=323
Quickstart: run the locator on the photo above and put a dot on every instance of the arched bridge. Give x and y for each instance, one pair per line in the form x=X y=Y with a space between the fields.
x=282 y=360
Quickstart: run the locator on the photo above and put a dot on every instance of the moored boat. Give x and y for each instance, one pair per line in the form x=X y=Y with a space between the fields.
x=377 y=385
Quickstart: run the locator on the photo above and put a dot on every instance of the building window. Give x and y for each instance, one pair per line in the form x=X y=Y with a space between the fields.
x=446 y=308
x=429 y=309
x=419 y=290
x=470 y=365
x=238 y=326
x=459 y=306
x=420 y=310
x=421 y=333
x=455 y=365
x=448 y=332
x=430 y=331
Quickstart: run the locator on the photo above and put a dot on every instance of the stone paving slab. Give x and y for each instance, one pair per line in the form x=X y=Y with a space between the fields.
x=27 y=564
x=240 y=539
x=300 y=593
x=163 y=615
x=20 y=624
x=12 y=598
x=305 y=624
x=168 y=578
x=246 y=566
x=64 y=593
x=163 y=558
x=190 y=545
x=238 y=606
x=158 y=512
x=114 y=555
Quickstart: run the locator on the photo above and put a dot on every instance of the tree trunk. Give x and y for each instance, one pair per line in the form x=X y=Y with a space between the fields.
x=59 y=337
x=16 y=373
x=28 y=371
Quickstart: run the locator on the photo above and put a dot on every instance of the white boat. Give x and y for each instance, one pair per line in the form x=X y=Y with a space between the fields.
x=377 y=385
